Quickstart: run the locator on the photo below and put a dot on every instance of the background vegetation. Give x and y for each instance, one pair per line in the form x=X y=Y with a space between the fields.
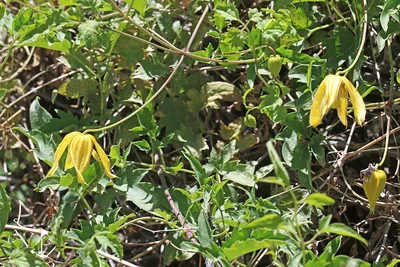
x=215 y=160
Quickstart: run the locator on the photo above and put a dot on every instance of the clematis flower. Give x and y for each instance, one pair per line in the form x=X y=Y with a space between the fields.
x=80 y=150
x=373 y=184
x=333 y=92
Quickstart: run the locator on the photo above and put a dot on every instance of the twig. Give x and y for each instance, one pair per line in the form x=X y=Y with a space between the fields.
x=21 y=68
x=188 y=232
x=385 y=235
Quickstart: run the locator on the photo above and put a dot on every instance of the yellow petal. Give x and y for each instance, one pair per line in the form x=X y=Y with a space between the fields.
x=341 y=105
x=68 y=162
x=317 y=106
x=373 y=187
x=356 y=101
x=325 y=97
x=103 y=157
x=79 y=175
x=333 y=83
x=60 y=150
x=80 y=150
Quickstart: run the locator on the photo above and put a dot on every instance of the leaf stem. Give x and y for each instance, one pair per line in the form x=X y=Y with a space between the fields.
x=361 y=47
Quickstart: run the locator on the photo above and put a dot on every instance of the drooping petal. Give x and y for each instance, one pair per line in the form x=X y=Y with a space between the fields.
x=341 y=105
x=333 y=83
x=103 y=157
x=80 y=151
x=317 y=107
x=60 y=150
x=356 y=100
x=68 y=162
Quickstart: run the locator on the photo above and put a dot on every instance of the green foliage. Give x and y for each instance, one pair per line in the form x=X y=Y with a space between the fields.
x=203 y=111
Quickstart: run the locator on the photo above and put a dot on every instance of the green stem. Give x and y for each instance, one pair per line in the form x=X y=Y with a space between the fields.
x=386 y=142
x=82 y=197
x=298 y=228
x=388 y=111
x=361 y=47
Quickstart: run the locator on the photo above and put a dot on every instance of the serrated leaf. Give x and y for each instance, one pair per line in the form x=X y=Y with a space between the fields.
x=88 y=31
x=342 y=229
x=24 y=258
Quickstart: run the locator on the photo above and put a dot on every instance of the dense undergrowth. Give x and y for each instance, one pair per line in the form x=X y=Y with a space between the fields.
x=203 y=111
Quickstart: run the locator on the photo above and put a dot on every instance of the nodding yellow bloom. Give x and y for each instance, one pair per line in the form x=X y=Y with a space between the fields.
x=333 y=92
x=373 y=186
x=80 y=150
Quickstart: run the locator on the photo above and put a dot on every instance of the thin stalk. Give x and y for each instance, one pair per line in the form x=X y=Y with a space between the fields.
x=361 y=47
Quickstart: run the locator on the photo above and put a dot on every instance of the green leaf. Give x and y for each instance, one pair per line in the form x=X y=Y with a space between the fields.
x=147 y=197
x=67 y=180
x=2 y=12
x=301 y=162
x=204 y=233
x=142 y=145
x=107 y=240
x=390 y=9
x=3 y=92
x=227 y=11
x=297 y=57
x=48 y=182
x=88 y=31
x=138 y=5
x=342 y=229
x=331 y=249
x=343 y=260
x=325 y=221
x=240 y=177
x=393 y=263
x=113 y=227
x=45 y=145
x=216 y=91
x=5 y=208
x=270 y=221
x=24 y=258
x=199 y=172
x=38 y=116
x=280 y=172
x=317 y=149
x=319 y=200
x=242 y=247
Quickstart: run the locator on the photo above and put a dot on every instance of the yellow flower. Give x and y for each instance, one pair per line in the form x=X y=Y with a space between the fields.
x=80 y=150
x=373 y=187
x=333 y=92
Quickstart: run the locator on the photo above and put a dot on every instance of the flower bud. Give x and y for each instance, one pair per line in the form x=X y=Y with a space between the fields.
x=373 y=187
x=250 y=121
x=275 y=65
